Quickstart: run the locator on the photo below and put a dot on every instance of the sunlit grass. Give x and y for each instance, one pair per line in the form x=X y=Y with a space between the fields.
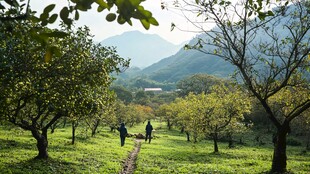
x=100 y=154
x=169 y=152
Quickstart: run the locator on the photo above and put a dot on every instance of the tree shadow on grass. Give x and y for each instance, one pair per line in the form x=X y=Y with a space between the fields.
x=199 y=157
x=43 y=166
x=8 y=144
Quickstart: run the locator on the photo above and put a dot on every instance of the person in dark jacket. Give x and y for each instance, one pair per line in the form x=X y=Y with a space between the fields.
x=122 y=133
x=148 y=129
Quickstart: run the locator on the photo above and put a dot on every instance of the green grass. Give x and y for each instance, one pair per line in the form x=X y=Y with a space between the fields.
x=169 y=152
x=100 y=154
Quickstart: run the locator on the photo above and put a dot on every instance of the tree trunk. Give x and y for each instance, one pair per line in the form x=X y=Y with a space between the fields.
x=216 y=148
x=195 y=136
x=53 y=127
x=308 y=142
x=42 y=143
x=187 y=135
x=73 y=133
x=279 y=153
x=94 y=128
x=112 y=128
x=182 y=130
x=65 y=122
x=169 y=125
x=230 y=141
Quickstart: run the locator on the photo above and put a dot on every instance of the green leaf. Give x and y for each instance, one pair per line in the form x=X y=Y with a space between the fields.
x=81 y=7
x=250 y=13
x=251 y=2
x=120 y=20
x=102 y=5
x=49 y=8
x=100 y=9
x=135 y=3
x=68 y=22
x=34 y=19
x=64 y=13
x=48 y=55
x=153 y=21
x=228 y=23
x=77 y=15
x=270 y=13
x=111 y=17
x=44 y=16
x=55 y=50
x=261 y=15
x=129 y=22
x=44 y=22
x=146 y=13
x=53 y=18
x=145 y=24
x=58 y=34
x=137 y=15
x=286 y=3
x=38 y=37
x=13 y=3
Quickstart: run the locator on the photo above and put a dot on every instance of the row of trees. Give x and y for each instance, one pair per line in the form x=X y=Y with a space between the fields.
x=114 y=113
x=217 y=113
x=47 y=75
x=271 y=67
x=36 y=92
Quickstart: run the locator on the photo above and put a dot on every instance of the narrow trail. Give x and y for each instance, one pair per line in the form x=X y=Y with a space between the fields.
x=130 y=163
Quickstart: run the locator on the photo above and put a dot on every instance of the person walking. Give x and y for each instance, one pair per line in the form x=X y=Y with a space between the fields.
x=122 y=133
x=148 y=129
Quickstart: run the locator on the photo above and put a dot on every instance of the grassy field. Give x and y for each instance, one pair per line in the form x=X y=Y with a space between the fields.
x=100 y=154
x=168 y=153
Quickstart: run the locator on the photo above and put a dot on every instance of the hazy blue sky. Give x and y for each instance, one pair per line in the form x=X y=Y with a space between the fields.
x=103 y=29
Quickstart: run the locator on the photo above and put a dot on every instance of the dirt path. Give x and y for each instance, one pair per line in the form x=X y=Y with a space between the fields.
x=130 y=163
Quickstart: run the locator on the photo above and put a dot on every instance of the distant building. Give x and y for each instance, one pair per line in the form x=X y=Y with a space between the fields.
x=153 y=89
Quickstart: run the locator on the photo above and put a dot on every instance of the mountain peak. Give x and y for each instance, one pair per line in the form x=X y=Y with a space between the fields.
x=143 y=49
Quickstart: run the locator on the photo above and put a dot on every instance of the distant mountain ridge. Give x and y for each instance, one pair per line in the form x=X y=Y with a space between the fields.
x=188 y=62
x=185 y=63
x=142 y=49
x=180 y=65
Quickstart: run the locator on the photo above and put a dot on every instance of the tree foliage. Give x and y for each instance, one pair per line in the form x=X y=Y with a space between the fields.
x=269 y=66
x=132 y=114
x=35 y=93
x=168 y=113
x=20 y=10
x=125 y=11
x=122 y=93
x=214 y=114
x=197 y=84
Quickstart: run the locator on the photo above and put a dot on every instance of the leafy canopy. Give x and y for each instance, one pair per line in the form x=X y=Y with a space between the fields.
x=125 y=11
